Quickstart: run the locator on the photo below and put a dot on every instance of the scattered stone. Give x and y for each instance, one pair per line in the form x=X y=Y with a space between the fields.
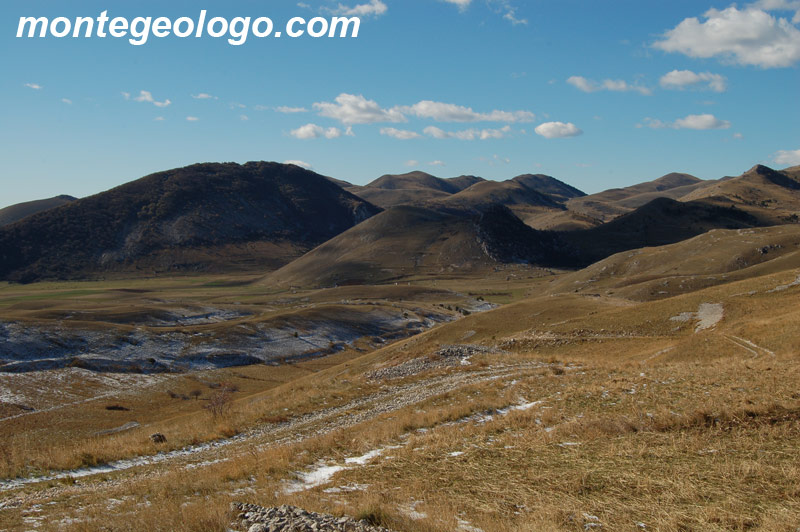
x=293 y=519
x=158 y=438
x=446 y=356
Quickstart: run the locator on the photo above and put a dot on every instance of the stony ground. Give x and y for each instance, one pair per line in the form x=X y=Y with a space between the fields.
x=292 y=519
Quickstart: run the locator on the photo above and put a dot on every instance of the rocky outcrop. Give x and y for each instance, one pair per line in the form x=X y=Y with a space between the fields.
x=292 y=519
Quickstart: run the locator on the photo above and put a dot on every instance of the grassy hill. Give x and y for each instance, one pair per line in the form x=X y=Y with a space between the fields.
x=413 y=188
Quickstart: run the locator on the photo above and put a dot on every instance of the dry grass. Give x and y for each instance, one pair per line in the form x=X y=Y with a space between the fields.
x=666 y=427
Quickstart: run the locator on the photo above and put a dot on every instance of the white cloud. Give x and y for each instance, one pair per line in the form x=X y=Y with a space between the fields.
x=400 y=134
x=780 y=5
x=496 y=160
x=147 y=97
x=192 y=119
x=350 y=109
x=284 y=109
x=448 y=112
x=616 y=85
x=204 y=96
x=372 y=8
x=468 y=134
x=558 y=130
x=313 y=131
x=738 y=136
x=511 y=16
x=412 y=162
x=159 y=119
x=680 y=79
x=787 y=157
x=437 y=163
x=244 y=118
x=696 y=122
x=509 y=12
x=301 y=164
x=34 y=86
x=462 y=4
x=66 y=101
x=749 y=36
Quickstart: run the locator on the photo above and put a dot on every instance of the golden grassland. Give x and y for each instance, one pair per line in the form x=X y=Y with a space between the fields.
x=632 y=420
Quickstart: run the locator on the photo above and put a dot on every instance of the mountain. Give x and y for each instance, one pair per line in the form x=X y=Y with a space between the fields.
x=525 y=202
x=709 y=259
x=413 y=188
x=772 y=196
x=408 y=241
x=659 y=222
x=13 y=213
x=606 y=205
x=404 y=241
x=204 y=217
x=550 y=186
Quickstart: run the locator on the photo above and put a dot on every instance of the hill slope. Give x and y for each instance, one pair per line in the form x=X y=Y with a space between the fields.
x=201 y=217
x=14 y=213
x=551 y=186
x=772 y=196
x=413 y=188
x=406 y=241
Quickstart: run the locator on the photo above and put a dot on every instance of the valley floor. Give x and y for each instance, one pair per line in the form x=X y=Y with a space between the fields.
x=562 y=411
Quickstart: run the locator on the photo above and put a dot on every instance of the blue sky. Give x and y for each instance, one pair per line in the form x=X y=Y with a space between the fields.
x=596 y=93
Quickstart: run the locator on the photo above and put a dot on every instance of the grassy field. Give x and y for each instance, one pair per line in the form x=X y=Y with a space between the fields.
x=588 y=411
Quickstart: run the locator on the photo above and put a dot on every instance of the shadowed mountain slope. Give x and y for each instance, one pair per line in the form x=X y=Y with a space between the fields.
x=14 y=213
x=405 y=241
x=202 y=217
x=410 y=241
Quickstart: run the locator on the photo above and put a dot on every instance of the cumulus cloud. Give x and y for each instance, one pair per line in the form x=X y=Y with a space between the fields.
x=696 y=122
x=558 y=130
x=468 y=134
x=615 y=85
x=66 y=101
x=437 y=163
x=787 y=157
x=34 y=86
x=301 y=164
x=192 y=119
x=373 y=8
x=780 y=5
x=204 y=96
x=313 y=131
x=681 y=79
x=412 y=162
x=401 y=134
x=352 y=109
x=284 y=109
x=448 y=112
x=147 y=97
x=747 y=36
